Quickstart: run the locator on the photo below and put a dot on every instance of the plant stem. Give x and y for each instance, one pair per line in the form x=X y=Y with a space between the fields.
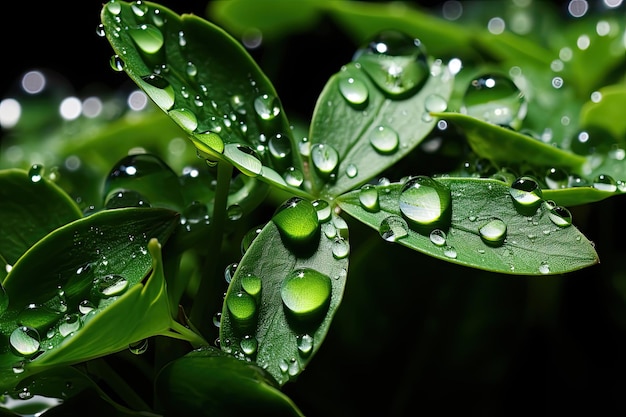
x=200 y=311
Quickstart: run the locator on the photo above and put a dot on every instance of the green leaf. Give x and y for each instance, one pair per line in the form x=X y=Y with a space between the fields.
x=350 y=131
x=82 y=283
x=208 y=382
x=507 y=146
x=208 y=84
x=607 y=112
x=30 y=208
x=286 y=290
x=532 y=244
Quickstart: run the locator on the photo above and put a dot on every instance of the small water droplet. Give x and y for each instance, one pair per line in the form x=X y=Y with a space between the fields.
x=249 y=345
x=111 y=285
x=426 y=204
x=244 y=158
x=323 y=209
x=306 y=292
x=354 y=91
x=495 y=99
x=393 y=228
x=185 y=118
x=384 y=139
x=340 y=248
x=241 y=306
x=544 y=268
x=267 y=107
x=117 y=63
x=435 y=103
x=450 y=252
x=560 y=216
x=69 y=324
x=493 y=232
x=396 y=62
x=191 y=69
x=229 y=271
x=305 y=344
x=234 y=212
x=605 y=182
x=325 y=159
x=251 y=284
x=293 y=177
x=368 y=197
x=86 y=307
x=139 y=348
x=352 y=170
x=438 y=237
x=35 y=173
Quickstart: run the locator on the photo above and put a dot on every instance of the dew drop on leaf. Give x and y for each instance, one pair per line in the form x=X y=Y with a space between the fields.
x=526 y=193
x=560 y=216
x=306 y=292
x=426 y=204
x=393 y=228
x=438 y=237
x=293 y=177
x=368 y=198
x=251 y=284
x=323 y=209
x=241 y=306
x=69 y=324
x=140 y=347
x=556 y=178
x=325 y=159
x=495 y=99
x=305 y=344
x=147 y=37
x=340 y=248
x=266 y=107
x=117 y=63
x=25 y=341
x=605 y=182
x=185 y=118
x=384 y=139
x=249 y=345
x=297 y=221
x=493 y=232
x=35 y=172
x=244 y=159
x=111 y=285
x=435 y=103
x=396 y=62
x=354 y=91
x=159 y=89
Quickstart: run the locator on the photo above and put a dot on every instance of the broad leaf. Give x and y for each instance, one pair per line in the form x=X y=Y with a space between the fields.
x=82 y=283
x=208 y=84
x=607 y=111
x=474 y=222
x=30 y=208
x=209 y=382
x=286 y=289
x=359 y=130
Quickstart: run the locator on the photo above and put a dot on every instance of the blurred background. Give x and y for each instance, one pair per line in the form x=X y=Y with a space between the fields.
x=414 y=337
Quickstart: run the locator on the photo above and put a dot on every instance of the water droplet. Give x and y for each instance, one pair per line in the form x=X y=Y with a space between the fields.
x=592 y=140
x=305 y=344
x=354 y=91
x=234 y=212
x=25 y=341
x=435 y=103
x=191 y=69
x=69 y=324
x=526 y=194
x=323 y=209
x=35 y=173
x=267 y=107
x=251 y=284
x=340 y=248
x=393 y=228
x=325 y=159
x=139 y=348
x=306 y=292
x=86 y=307
x=114 y=7
x=495 y=99
x=138 y=8
x=368 y=197
x=185 y=118
x=297 y=221
x=560 y=216
x=384 y=139
x=279 y=146
x=229 y=271
x=605 y=183
x=352 y=171
x=117 y=63
x=111 y=284
x=126 y=198
x=450 y=252
x=493 y=232
x=544 y=268
x=426 y=204
x=248 y=238
x=195 y=213
x=556 y=178
x=396 y=62
x=293 y=177
x=241 y=306
x=244 y=159
x=438 y=237
x=159 y=89
x=249 y=345
x=147 y=37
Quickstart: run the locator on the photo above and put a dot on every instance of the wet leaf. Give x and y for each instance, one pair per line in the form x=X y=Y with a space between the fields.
x=208 y=382
x=285 y=292
x=208 y=84
x=29 y=210
x=485 y=230
x=355 y=138
x=97 y=276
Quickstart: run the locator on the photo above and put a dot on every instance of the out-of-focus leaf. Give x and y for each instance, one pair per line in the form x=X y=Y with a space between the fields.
x=30 y=207
x=485 y=229
x=208 y=382
x=607 y=111
x=286 y=289
x=208 y=84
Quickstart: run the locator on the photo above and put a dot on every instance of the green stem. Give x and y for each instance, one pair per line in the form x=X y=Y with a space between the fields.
x=180 y=332
x=201 y=310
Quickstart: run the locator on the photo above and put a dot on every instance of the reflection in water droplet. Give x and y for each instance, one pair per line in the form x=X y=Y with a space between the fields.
x=435 y=103
x=323 y=209
x=249 y=345
x=495 y=99
x=384 y=139
x=426 y=204
x=544 y=268
x=556 y=178
x=393 y=228
x=185 y=118
x=293 y=177
x=396 y=62
x=244 y=158
x=35 y=173
x=340 y=248
x=69 y=324
x=306 y=292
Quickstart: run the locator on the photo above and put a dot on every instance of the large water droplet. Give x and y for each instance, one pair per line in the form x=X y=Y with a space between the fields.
x=396 y=62
x=368 y=197
x=495 y=99
x=111 y=285
x=493 y=232
x=605 y=182
x=393 y=228
x=25 y=341
x=354 y=91
x=526 y=194
x=244 y=158
x=426 y=204
x=560 y=216
x=241 y=306
x=384 y=139
x=297 y=221
x=160 y=90
x=251 y=284
x=306 y=292
x=69 y=324
x=147 y=37
x=185 y=118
